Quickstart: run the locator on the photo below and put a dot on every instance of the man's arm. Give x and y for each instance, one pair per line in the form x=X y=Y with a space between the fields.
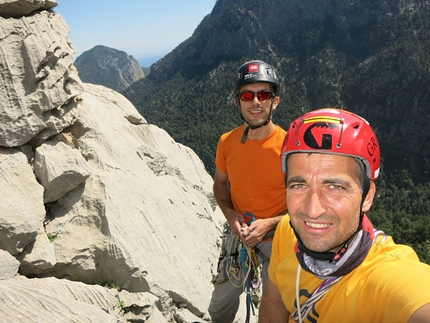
x=223 y=198
x=256 y=232
x=422 y=315
x=269 y=223
x=251 y=235
x=272 y=309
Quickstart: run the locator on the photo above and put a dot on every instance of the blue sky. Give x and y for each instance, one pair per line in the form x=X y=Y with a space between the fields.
x=146 y=29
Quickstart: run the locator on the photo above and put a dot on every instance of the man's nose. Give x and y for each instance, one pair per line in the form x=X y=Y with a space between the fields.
x=315 y=204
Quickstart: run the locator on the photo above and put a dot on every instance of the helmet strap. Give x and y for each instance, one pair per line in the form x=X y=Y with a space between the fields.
x=366 y=187
x=328 y=256
x=249 y=127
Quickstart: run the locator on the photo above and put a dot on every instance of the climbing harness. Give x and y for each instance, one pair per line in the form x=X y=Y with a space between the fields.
x=244 y=258
x=243 y=265
x=248 y=263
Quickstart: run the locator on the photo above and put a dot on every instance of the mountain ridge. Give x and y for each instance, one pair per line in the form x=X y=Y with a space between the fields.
x=320 y=55
x=369 y=57
x=109 y=67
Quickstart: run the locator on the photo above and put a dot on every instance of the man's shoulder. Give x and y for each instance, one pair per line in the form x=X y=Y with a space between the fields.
x=280 y=131
x=385 y=247
x=232 y=134
x=385 y=255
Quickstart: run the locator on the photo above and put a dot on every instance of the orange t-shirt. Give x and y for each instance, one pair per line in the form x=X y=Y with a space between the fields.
x=254 y=172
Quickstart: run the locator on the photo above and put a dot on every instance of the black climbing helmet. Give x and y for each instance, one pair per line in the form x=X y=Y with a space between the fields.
x=256 y=71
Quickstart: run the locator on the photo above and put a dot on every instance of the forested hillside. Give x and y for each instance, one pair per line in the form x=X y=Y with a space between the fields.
x=370 y=57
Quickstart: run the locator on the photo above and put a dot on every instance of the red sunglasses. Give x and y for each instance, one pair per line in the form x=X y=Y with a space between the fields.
x=261 y=96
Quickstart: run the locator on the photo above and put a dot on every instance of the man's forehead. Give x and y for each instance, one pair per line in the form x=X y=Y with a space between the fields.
x=262 y=85
x=330 y=162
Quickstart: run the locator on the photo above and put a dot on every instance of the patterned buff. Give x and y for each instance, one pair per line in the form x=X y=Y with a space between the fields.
x=331 y=267
x=344 y=261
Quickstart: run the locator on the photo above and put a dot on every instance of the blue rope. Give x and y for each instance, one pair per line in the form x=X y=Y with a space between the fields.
x=249 y=304
x=249 y=218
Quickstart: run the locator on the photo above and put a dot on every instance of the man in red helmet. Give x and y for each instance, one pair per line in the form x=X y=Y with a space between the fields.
x=345 y=270
x=248 y=187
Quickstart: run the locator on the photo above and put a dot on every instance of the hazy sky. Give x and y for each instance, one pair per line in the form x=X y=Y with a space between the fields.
x=142 y=28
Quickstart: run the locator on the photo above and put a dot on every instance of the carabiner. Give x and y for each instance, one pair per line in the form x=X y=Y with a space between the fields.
x=250 y=216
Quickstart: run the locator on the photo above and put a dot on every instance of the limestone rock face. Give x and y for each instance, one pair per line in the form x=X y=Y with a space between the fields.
x=104 y=217
x=144 y=213
x=54 y=300
x=18 y=8
x=22 y=210
x=8 y=265
x=39 y=82
x=59 y=168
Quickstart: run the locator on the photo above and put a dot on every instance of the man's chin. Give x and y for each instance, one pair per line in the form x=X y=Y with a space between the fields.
x=258 y=123
x=316 y=247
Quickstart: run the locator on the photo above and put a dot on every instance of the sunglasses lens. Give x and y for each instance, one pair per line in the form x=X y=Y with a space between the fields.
x=262 y=96
x=247 y=96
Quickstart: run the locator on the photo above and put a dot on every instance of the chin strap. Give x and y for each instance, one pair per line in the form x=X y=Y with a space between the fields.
x=327 y=256
x=249 y=127
x=245 y=132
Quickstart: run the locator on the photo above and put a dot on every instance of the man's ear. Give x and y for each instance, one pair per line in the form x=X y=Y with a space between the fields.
x=276 y=101
x=368 y=201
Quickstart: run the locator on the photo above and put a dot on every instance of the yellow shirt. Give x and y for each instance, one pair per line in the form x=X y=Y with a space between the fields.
x=389 y=286
x=254 y=171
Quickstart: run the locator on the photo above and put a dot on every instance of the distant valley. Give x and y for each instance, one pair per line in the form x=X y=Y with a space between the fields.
x=146 y=62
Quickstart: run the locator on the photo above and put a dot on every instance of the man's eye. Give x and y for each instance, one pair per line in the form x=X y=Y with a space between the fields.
x=297 y=186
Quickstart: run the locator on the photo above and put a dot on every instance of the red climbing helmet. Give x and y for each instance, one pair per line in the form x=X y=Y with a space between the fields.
x=334 y=131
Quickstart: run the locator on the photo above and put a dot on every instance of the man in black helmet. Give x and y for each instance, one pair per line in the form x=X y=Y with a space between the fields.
x=248 y=186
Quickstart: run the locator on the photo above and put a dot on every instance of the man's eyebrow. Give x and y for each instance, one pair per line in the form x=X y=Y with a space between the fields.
x=296 y=179
x=338 y=181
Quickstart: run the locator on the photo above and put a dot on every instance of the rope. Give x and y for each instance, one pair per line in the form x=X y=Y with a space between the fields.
x=248 y=263
x=302 y=312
